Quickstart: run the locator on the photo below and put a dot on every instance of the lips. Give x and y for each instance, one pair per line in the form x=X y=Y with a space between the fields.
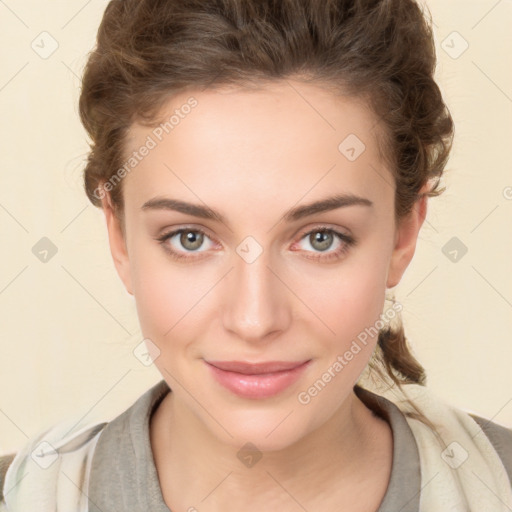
x=256 y=368
x=257 y=380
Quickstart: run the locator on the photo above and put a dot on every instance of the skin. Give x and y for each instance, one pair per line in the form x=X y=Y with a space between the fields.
x=252 y=155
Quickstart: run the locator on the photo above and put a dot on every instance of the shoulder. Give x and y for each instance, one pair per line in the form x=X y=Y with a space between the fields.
x=500 y=437
x=69 y=442
x=65 y=442
x=448 y=418
x=5 y=461
x=452 y=417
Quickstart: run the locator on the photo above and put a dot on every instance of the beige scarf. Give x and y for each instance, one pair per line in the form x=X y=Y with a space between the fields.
x=460 y=469
x=466 y=475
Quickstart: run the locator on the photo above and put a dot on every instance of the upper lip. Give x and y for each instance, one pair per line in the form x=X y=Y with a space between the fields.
x=256 y=368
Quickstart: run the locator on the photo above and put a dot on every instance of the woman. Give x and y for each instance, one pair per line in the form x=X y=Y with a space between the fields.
x=264 y=169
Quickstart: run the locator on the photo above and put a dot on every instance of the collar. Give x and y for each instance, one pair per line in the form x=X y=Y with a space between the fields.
x=124 y=475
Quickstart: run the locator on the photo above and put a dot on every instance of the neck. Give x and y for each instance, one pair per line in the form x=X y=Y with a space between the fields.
x=340 y=452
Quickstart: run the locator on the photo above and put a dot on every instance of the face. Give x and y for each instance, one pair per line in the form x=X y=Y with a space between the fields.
x=249 y=273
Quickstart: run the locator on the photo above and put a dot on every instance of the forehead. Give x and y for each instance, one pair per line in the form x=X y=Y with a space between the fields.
x=284 y=136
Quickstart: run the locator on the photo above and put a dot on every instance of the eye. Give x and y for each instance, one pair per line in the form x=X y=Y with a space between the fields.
x=184 y=240
x=322 y=239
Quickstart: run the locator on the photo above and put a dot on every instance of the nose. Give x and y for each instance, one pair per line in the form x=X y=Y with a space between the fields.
x=256 y=304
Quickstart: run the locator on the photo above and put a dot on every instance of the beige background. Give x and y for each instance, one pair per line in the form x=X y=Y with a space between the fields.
x=68 y=328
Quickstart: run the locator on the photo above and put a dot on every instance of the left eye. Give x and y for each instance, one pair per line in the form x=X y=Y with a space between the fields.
x=323 y=239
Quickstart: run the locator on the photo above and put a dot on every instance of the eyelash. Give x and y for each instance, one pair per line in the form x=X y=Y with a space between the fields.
x=348 y=242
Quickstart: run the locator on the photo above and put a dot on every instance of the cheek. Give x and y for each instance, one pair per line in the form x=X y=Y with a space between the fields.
x=166 y=302
x=352 y=315
x=175 y=302
x=348 y=298
x=352 y=306
x=363 y=308
x=165 y=293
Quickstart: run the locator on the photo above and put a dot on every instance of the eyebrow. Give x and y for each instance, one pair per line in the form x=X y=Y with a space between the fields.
x=294 y=214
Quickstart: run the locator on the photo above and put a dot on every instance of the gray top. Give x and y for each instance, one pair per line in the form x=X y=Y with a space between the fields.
x=124 y=475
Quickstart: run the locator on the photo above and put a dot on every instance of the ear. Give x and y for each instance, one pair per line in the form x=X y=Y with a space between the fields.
x=117 y=241
x=406 y=235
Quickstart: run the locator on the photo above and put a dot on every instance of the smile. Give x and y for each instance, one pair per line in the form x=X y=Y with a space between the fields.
x=257 y=380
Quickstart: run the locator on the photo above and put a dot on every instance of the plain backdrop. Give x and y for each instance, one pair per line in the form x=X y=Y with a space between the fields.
x=68 y=328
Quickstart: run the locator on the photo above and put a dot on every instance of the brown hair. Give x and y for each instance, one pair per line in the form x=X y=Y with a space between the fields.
x=381 y=51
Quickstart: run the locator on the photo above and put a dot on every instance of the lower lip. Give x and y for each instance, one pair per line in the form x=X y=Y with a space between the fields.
x=260 y=385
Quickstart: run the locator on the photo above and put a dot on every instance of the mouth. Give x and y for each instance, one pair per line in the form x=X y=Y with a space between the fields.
x=257 y=380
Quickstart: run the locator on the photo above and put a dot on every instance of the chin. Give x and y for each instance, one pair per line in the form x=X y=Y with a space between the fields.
x=268 y=428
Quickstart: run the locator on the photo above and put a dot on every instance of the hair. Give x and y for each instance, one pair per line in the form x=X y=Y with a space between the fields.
x=378 y=51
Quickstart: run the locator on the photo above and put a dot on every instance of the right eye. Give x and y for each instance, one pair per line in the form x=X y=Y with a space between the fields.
x=190 y=239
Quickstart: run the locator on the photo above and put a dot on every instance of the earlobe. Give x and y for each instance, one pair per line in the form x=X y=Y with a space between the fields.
x=406 y=236
x=117 y=243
